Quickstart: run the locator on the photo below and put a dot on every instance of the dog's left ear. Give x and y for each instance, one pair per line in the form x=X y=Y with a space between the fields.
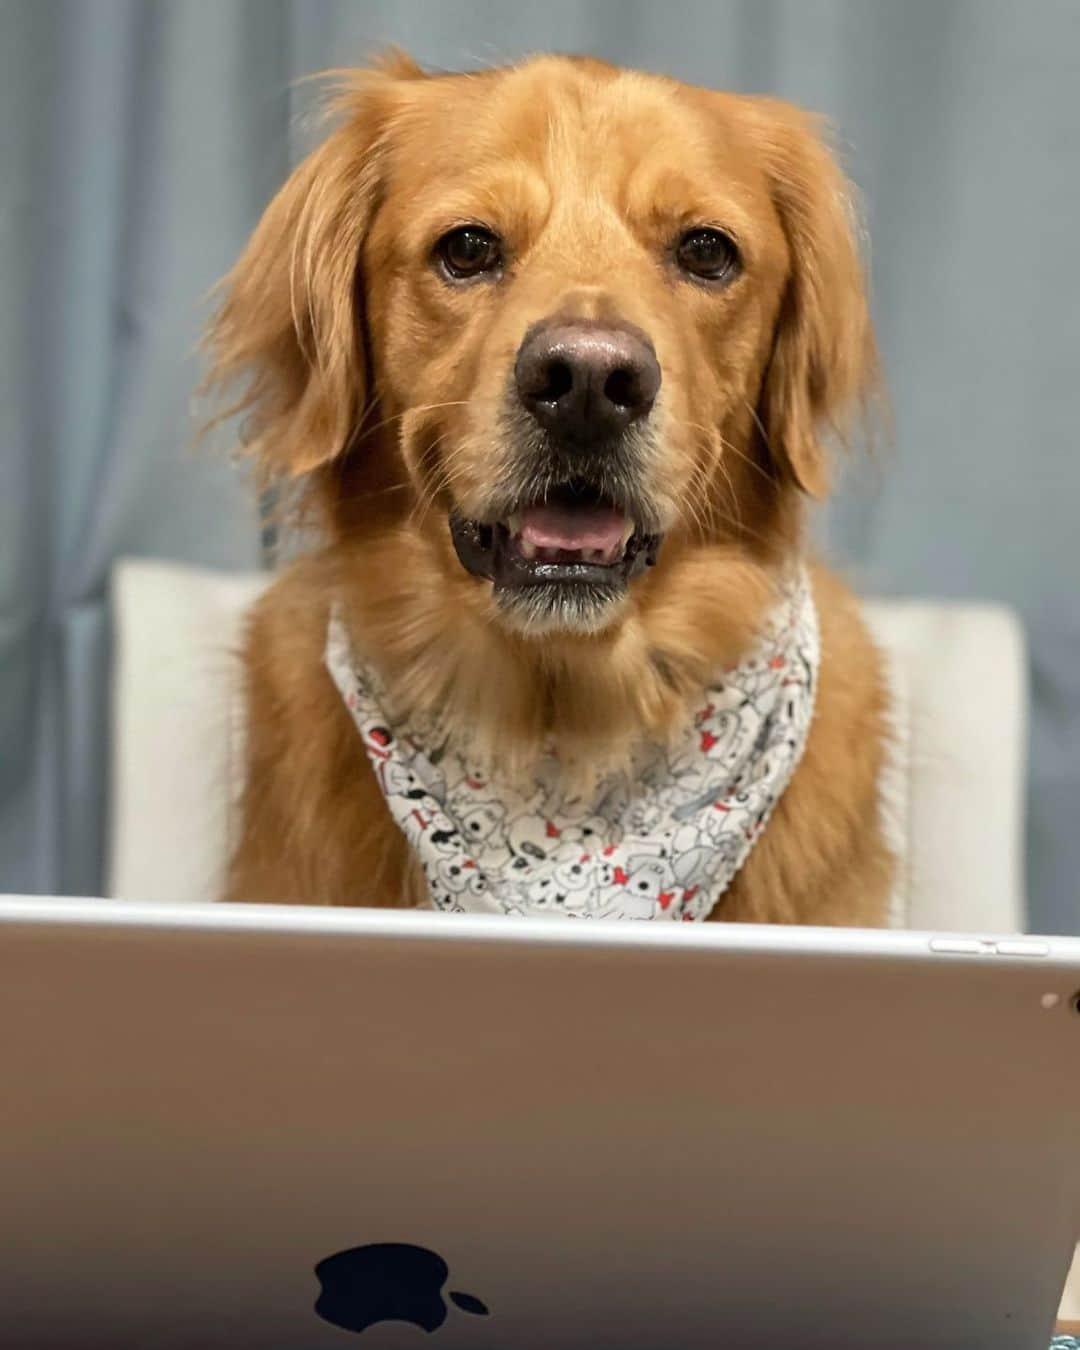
x=823 y=364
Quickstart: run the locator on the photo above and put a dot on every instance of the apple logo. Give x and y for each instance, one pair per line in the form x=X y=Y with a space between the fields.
x=387 y=1282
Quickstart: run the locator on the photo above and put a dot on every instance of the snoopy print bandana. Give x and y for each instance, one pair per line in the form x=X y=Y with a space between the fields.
x=659 y=840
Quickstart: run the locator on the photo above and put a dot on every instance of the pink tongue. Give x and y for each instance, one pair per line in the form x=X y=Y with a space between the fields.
x=573 y=528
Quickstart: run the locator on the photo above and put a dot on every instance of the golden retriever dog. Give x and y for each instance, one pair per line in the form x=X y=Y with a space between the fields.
x=550 y=352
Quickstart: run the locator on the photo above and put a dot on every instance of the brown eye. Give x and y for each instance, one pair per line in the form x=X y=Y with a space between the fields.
x=468 y=251
x=709 y=254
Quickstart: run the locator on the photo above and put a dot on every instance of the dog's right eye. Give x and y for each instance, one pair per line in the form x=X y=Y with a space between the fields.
x=468 y=251
x=708 y=254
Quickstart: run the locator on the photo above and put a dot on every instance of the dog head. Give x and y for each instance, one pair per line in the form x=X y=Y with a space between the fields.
x=543 y=338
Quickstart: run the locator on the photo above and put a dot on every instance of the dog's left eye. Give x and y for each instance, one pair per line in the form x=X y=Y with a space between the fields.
x=709 y=254
x=468 y=251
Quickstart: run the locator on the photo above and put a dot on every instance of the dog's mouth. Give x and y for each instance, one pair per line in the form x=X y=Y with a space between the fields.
x=575 y=538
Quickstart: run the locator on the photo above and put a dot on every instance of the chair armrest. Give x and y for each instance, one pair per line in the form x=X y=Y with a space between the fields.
x=954 y=791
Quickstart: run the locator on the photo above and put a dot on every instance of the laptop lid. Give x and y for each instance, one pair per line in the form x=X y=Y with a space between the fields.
x=278 y=1127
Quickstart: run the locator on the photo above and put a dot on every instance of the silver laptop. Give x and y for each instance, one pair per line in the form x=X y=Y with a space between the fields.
x=274 y=1127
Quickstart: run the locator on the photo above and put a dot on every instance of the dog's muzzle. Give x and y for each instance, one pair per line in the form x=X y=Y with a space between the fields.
x=577 y=531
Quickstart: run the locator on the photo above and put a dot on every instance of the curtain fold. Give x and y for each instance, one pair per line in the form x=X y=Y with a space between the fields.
x=139 y=140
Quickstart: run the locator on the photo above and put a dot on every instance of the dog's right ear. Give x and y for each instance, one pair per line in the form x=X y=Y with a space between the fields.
x=287 y=343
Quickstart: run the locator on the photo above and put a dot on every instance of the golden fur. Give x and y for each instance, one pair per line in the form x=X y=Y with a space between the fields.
x=377 y=388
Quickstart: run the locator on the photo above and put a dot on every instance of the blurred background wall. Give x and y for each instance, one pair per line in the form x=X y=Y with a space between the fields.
x=139 y=140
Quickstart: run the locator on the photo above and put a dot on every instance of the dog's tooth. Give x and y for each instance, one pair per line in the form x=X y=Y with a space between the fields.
x=528 y=549
x=513 y=523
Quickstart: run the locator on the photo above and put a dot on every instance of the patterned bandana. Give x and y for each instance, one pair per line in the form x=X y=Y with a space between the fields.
x=659 y=840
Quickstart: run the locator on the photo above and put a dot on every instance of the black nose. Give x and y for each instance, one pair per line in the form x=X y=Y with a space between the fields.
x=585 y=380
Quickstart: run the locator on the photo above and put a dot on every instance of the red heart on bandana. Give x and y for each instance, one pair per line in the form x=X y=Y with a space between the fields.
x=380 y=735
x=666 y=898
x=584 y=858
x=553 y=831
x=690 y=892
x=708 y=740
x=468 y=863
x=609 y=850
x=620 y=877
x=777 y=663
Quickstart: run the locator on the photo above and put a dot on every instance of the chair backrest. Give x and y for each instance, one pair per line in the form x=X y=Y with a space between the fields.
x=952 y=794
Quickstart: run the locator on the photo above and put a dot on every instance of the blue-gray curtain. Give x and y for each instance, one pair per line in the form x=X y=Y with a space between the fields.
x=140 y=138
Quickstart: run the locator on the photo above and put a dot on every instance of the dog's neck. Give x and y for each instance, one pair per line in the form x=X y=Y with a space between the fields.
x=661 y=838
x=436 y=642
